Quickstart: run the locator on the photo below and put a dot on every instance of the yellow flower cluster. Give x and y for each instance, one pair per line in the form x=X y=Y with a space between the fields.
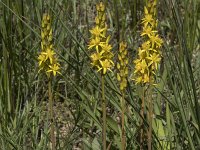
x=149 y=54
x=47 y=59
x=102 y=56
x=122 y=66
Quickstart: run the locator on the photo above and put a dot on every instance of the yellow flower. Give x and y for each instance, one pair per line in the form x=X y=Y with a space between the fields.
x=155 y=39
x=54 y=68
x=106 y=48
x=94 y=43
x=146 y=78
x=49 y=54
x=147 y=31
x=143 y=66
x=154 y=59
x=102 y=6
x=146 y=45
x=142 y=53
x=41 y=59
x=148 y=18
x=105 y=65
x=96 y=31
x=138 y=80
x=96 y=57
x=123 y=84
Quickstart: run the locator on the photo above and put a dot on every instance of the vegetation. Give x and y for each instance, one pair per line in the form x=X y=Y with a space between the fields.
x=80 y=74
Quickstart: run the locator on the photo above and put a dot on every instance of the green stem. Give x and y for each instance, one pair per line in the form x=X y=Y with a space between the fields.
x=150 y=118
x=142 y=122
x=51 y=115
x=123 y=120
x=104 y=112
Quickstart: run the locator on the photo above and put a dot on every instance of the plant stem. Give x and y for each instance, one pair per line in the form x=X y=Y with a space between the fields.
x=123 y=120
x=150 y=118
x=142 y=122
x=51 y=115
x=104 y=112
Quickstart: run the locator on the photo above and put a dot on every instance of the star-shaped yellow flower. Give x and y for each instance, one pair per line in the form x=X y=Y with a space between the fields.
x=155 y=39
x=97 y=31
x=105 y=65
x=147 y=31
x=49 y=54
x=148 y=18
x=41 y=59
x=154 y=59
x=54 y=69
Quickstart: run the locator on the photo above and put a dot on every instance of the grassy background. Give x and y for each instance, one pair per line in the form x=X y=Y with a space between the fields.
x=23 y=91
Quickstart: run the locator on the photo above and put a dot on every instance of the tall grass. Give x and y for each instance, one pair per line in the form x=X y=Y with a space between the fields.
x=23 y=92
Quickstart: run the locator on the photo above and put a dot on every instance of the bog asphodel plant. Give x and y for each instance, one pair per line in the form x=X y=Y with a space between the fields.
x=147 y=62
x=149 y=54
x=49 y=64
x=47 y=58
x=122 y=67
x=101 y=56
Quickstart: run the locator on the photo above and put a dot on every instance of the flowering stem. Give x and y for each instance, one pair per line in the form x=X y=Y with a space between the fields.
x=104 y=112
x=142 y=122
x=51 y=114
x=150 y=118
x=123 y=120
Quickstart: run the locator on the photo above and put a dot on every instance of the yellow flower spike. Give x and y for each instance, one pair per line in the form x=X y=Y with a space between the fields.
x=149 y=55
x=102 y=46
x=47 y=60
x=122 y=65
x=101 y=59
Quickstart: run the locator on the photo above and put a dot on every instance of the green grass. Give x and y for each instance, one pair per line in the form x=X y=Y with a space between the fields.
x=77 y=92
